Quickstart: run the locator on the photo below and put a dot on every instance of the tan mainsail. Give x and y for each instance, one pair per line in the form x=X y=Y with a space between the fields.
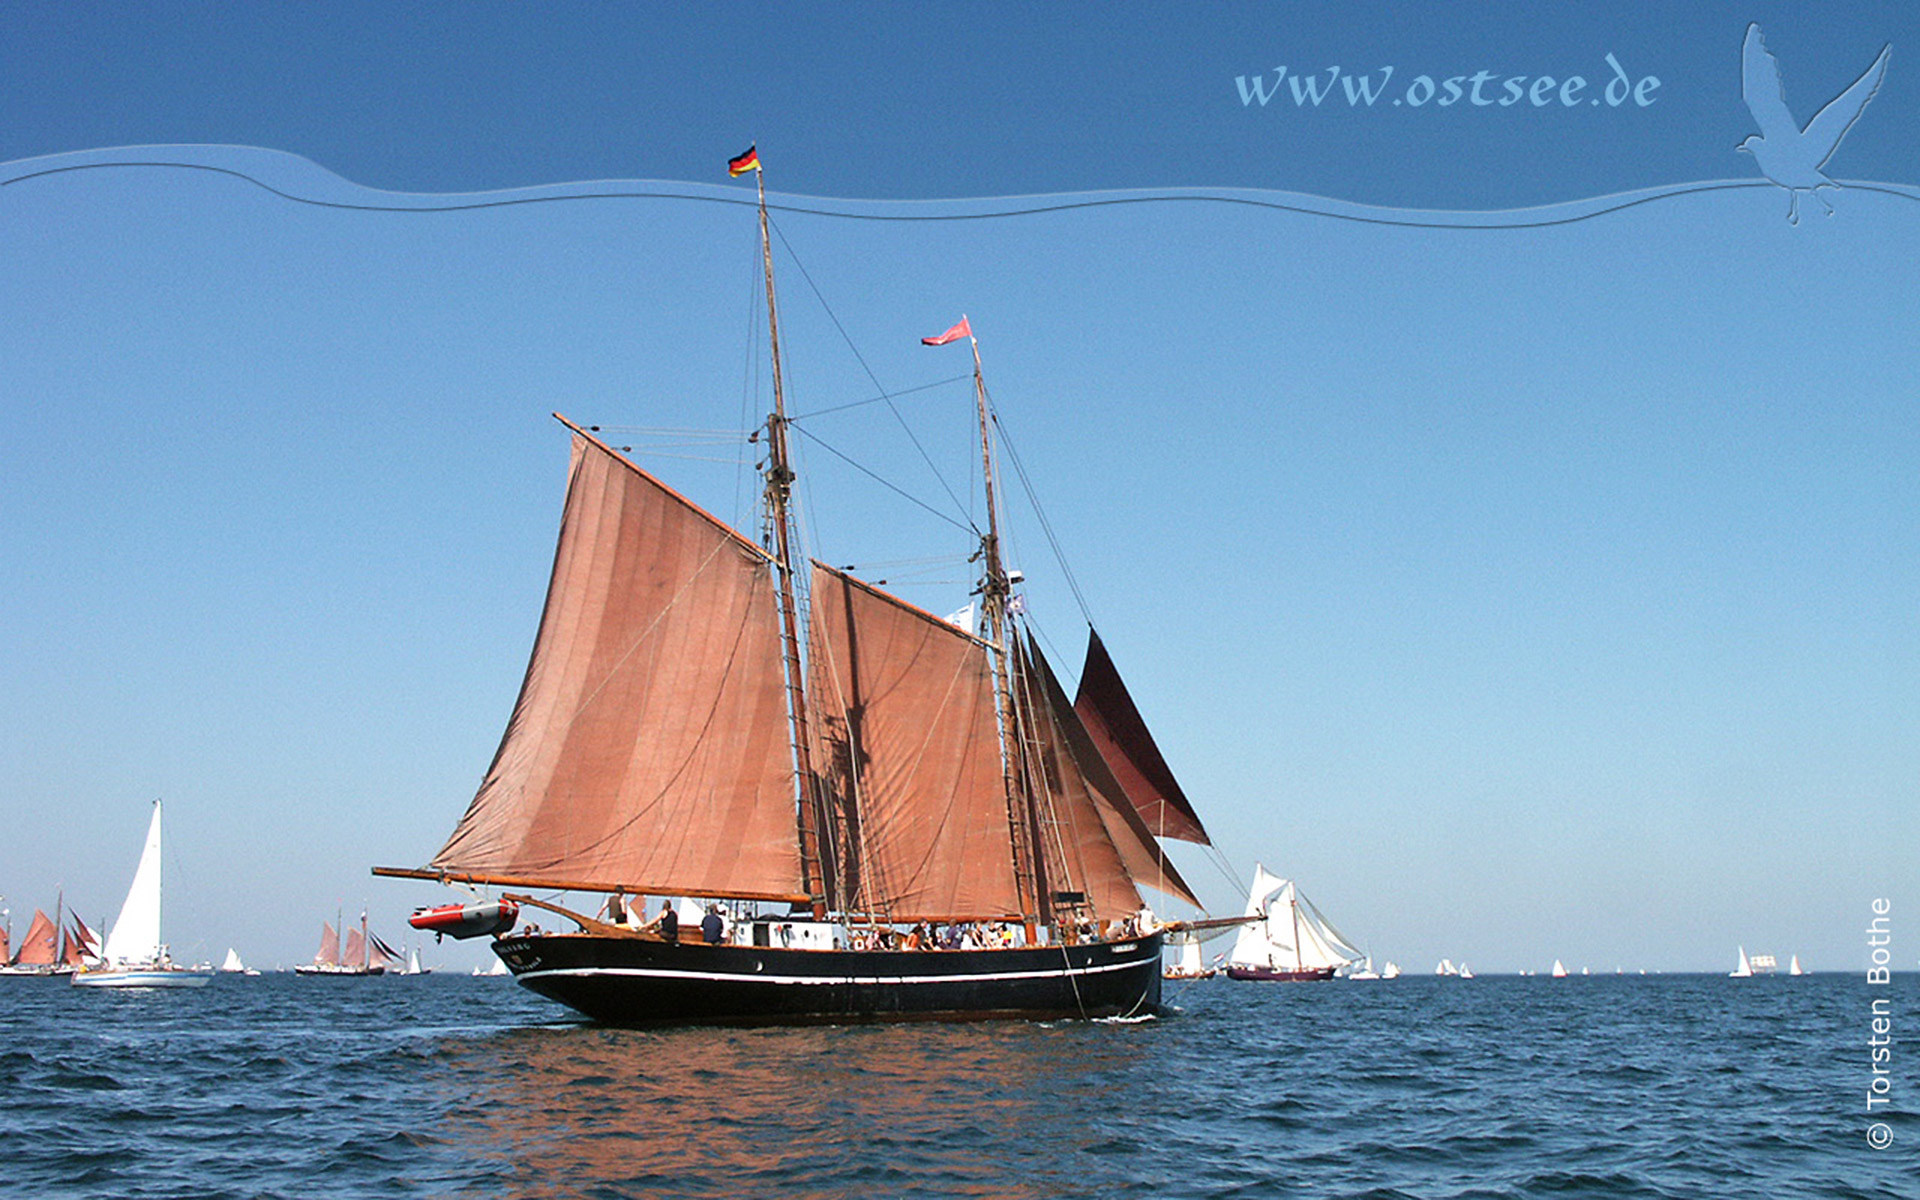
x=1141 y=858
x=1108 y=712
x=40 y=948
x=329 y=953
x=649 y=746
x=355 y=953
x=911 y=749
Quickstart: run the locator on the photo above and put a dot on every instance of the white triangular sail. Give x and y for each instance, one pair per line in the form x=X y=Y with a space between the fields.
x=1743 y=970
x=1559 y=969
x=1793 y=966
x=135 y=937
x=233 y=965
x=1252 y=948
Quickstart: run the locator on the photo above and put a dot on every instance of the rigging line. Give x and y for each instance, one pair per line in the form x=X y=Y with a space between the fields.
x=967 y=527
x=821 y=412
x=1032 y=210
x=644 y=452
x=1040 y=514
x=1218 y=858
x=861 y=359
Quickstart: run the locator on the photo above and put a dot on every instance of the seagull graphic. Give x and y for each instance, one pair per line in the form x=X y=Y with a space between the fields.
x=1787 y=154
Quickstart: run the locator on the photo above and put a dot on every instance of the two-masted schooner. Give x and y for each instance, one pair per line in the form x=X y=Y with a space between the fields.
x=886 y=815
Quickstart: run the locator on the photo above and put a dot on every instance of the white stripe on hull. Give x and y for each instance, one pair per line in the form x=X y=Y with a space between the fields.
x=142 y=978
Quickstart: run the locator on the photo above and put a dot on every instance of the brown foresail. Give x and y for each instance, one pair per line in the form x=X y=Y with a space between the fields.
x=1079 y=851
x=908 y=730
x=40 y=948
x=649 y=743
x=328 y=955
x=1143 y=858
x=1121 y=733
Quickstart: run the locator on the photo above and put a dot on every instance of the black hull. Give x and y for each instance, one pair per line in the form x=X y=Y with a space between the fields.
x=631 y=981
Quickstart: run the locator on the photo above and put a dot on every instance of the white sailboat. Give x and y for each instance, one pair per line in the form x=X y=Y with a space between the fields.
x=1391 y=970
x=134 y=955
x=1793 y=965
x=1559 y=969
x=233 y=966
x=1293 y=942
x=1744 y=970
x=1191 y=964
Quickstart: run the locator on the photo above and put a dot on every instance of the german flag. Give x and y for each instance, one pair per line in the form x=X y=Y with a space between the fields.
x=741 y=164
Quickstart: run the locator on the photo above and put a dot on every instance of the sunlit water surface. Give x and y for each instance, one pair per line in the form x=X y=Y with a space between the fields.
x=1676 y=1086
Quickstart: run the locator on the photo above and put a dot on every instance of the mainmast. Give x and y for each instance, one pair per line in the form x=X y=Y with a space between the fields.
x=779 y=492
x=996 y=590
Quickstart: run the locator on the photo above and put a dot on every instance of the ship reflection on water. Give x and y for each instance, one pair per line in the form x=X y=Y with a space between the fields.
x=956 y=1109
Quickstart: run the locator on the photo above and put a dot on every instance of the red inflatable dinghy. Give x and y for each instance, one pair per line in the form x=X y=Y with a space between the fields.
x=466 y=920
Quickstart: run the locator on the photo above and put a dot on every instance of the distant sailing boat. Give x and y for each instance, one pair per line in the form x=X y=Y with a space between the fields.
x=1191 y=965
x=233 y=966
x=363 y=954
x=1744 y=970
x=1290 y=941
x=39 y=952
x=1793 y=965
x=134 y=955
x=1559 y=969
x=942 y=832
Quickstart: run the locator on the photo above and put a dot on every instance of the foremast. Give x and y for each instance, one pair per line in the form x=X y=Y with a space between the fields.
x=779 y=494
x=996 y=594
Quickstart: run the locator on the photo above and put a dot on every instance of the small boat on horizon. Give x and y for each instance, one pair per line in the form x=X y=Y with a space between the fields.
x=232 y=965
x=1190 y=965
x=134 y=956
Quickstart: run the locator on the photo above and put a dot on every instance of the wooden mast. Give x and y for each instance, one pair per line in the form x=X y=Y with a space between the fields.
x=995 y=592
x=779 y=491
x=1293 y=902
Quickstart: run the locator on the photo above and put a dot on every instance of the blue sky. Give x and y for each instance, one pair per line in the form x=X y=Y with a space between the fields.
x=1525 y=592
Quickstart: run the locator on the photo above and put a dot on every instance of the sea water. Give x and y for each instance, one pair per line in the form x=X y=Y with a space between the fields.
x=1605 y=1086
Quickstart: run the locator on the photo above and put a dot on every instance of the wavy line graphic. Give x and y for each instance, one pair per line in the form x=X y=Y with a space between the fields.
x=301 y=181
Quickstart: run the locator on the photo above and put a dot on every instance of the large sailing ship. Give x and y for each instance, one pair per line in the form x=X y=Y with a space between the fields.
x=884 y=815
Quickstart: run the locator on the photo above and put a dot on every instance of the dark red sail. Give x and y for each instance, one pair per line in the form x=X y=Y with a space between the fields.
x=1118 y=730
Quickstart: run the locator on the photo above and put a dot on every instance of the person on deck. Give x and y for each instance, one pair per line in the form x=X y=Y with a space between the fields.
x=669 y=923
x=711 y=926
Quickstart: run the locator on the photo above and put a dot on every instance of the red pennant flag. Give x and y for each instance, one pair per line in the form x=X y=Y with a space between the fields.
x=962 y=330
